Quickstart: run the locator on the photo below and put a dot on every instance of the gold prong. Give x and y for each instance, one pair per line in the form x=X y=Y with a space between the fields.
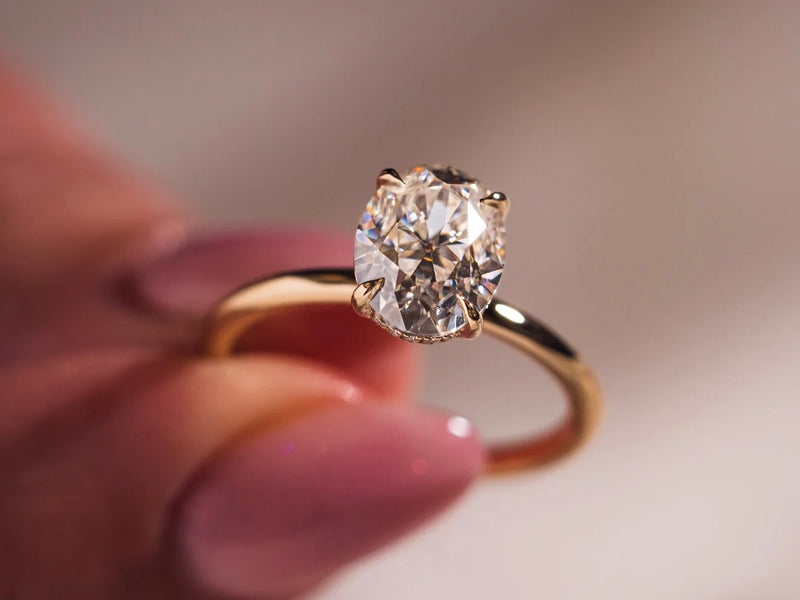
x=473 y=319
x=389 y=177
x=363 y=295
x=497 y=200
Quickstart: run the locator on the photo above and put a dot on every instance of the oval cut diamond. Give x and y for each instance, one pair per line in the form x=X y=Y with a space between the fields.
x=433 y=242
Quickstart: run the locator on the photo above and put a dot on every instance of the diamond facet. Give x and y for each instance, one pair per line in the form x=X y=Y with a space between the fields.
x=436 y=246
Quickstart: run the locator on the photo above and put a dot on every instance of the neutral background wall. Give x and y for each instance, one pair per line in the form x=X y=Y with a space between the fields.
x=651 y=152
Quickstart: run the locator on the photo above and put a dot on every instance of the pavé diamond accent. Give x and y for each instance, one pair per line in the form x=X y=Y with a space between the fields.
x=432 y=240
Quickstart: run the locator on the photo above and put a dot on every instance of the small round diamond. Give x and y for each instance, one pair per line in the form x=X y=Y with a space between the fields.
x=434 y=242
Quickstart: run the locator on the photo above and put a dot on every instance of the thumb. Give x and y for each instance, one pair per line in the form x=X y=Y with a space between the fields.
x=290 y=507
x=255 y=475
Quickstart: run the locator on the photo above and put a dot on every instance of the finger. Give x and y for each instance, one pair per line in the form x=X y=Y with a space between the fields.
x=338 y=337
x=69 y=219
x=234 y=459
x=28 y=120
x=100 y=473
x=192 y=279
x=162 y=301
x=188 y=281
x=67 y=213
x=290 y=508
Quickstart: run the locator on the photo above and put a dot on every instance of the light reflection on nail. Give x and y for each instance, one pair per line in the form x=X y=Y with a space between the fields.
x=459 y=426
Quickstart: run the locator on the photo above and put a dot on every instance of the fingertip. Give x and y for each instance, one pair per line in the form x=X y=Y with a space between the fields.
x=290 y=507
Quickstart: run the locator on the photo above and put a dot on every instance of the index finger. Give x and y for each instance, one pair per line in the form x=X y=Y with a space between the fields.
x=67 y=212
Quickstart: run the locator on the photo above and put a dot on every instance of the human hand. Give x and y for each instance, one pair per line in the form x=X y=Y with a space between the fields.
x=130 y=467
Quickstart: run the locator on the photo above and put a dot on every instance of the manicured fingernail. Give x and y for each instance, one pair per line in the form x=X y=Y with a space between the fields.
x=196 y=275
x=286 y=509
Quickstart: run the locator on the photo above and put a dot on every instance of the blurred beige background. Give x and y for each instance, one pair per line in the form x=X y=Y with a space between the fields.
x=652 y=154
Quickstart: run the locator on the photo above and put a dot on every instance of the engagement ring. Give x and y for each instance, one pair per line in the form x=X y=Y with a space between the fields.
x=429 y=255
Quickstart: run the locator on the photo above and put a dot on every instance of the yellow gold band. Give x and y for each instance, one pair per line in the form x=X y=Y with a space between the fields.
x=256 y=301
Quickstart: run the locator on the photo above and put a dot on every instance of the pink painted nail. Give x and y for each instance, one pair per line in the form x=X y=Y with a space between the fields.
x=194 y=276
x=286 y=509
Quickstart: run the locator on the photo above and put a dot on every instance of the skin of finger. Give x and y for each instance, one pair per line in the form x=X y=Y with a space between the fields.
x=66 y=209
x=338 y=337
x=32 y=392
x=69 y=217
x=333 y=336
x=74 y=214
x=78 y=316
x=192 y=278
x=27 y=120
x=87 y=494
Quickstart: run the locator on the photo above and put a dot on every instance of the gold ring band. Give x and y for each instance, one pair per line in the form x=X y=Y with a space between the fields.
x=254 y=302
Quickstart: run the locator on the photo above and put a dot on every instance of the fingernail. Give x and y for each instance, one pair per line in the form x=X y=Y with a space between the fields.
x=284 y=510
x=193 y=277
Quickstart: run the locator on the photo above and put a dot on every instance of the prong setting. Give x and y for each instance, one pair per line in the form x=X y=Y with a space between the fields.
x=363 y=295
x=497 y=200
x=389 y=177
x=473 y=319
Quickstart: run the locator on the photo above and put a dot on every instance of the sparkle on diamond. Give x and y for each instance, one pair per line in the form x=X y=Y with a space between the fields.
x=431 y=240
